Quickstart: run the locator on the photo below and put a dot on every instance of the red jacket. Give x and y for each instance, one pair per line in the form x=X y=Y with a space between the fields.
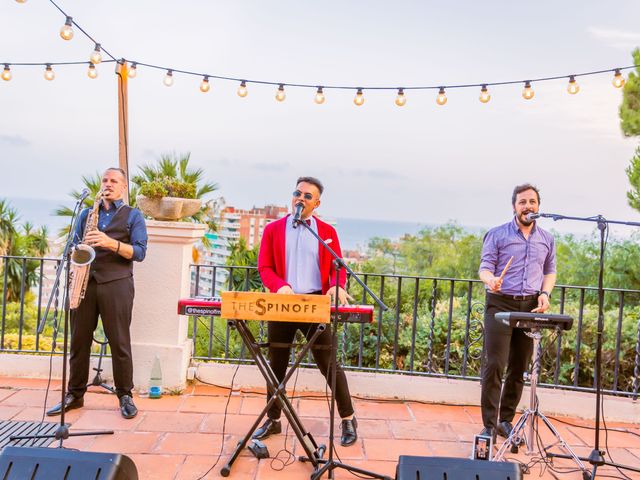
x=272 y=260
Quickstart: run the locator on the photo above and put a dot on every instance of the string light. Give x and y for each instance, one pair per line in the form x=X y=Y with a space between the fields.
x=484 y=94
x=528 y=92
x=92 y=72
x=204 y=85
x=49 y=74
x=242 y=89
x=618 y=79
x=401 y=100
x=573 y=87
x=6 y=73
x=66 y=32
x=168 y=78
x=133 y=70
x=96 y=56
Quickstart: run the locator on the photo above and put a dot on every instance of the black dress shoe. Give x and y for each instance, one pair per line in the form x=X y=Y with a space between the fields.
x=267 y=429
x=349 y=432
x=504 y=429
x=489 y=432
x=127 y=408
x=70 y=402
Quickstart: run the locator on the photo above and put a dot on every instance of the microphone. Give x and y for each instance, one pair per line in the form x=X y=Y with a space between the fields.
x=533 y=216
x=84 y=194
x=297 y=214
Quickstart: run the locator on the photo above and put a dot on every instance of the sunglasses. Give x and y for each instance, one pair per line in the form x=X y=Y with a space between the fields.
x=298 y=194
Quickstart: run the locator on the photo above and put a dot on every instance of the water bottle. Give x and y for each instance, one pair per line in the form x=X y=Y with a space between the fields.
x=155 y=382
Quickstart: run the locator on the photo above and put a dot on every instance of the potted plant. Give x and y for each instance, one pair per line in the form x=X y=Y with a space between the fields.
x=168 y=199
x=171 y=190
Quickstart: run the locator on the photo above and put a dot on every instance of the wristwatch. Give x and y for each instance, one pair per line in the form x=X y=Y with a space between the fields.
x=544 y=292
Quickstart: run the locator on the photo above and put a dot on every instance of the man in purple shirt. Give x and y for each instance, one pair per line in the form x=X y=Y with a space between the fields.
x=525 y=287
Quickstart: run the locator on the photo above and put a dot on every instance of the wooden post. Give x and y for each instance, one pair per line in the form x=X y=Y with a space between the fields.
x=122 y=71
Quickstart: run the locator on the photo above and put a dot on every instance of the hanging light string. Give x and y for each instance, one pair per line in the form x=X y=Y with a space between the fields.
x=53 y=64
x=356 y=88
x=86 y=34
x=320 y=88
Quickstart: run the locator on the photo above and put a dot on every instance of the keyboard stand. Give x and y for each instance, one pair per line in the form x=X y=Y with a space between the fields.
x=525 y=429
x=313 y=452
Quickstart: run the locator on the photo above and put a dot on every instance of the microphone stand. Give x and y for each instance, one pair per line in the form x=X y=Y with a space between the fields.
x=330 y=464
x=596 y=457
x=62 y=432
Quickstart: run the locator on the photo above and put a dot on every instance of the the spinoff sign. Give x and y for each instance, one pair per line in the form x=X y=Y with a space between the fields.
x=274 y=307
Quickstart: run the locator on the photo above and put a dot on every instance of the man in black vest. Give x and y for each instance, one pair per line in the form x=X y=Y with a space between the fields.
x=119 y=240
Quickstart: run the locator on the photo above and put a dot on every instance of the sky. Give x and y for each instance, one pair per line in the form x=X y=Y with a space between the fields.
x=421 y=163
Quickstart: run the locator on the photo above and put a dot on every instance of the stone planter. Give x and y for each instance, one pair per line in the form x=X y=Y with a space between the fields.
x=168 y=208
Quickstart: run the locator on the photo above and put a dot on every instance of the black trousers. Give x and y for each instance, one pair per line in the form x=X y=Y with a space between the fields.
x=284 y=332
x=503 y=347
x=113 y=302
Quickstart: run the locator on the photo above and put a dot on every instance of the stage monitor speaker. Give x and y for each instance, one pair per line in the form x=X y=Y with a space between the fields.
x=25 y=463
x=451 y=468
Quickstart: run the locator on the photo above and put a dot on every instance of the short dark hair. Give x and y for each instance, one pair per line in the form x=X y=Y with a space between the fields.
x=118 y=169
x=523 y=188
x=312 y=181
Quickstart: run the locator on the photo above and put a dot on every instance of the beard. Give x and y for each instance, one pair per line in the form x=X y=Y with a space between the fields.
x=522 y=218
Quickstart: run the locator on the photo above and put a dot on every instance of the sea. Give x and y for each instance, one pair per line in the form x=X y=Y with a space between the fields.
x=354 y=233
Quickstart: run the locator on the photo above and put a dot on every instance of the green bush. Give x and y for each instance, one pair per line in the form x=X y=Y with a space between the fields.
x=168 y=187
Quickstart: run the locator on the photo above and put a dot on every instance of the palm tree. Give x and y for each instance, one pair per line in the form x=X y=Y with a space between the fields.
x=25 y=241
x=93 y=184
x=174 y=166
x=243 y=256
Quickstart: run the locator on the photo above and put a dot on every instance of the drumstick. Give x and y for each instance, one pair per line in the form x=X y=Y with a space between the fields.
x=506 y=267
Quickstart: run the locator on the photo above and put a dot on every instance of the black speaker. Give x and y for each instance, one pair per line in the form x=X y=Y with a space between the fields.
x=451 y=468
x=20 y=463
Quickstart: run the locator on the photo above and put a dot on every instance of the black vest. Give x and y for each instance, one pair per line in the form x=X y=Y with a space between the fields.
x=108 y=265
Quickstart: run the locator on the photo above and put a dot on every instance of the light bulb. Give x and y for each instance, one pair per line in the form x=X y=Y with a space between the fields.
x=573 y=87
x=133 y=70
x=280 y=95
x=618 y=79
x=319 y=99
x=204 y=84
x=168 y=78
x=66 y=32
x=359 y=98
x=484 y=94
x=528 y=92
x=21 y=1
x=401 y=100
x=92 y=72
x=49 y=74
x=96 y=56
x=242 y=89
x=6 y=73
x=441 y=99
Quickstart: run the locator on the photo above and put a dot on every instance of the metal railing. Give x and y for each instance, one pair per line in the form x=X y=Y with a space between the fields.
x=434 y=327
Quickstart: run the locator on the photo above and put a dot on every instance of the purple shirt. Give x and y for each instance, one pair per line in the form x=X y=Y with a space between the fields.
x=533 y=258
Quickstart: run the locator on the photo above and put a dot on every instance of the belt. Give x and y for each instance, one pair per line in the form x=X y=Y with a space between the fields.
x=519 y=298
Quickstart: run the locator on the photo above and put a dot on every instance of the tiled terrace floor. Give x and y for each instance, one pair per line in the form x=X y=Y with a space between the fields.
x=179 y=436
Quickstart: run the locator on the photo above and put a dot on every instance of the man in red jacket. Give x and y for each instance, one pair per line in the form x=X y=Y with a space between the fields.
x=292 y=260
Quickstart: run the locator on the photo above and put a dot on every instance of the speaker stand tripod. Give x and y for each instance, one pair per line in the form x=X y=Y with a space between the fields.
x=525 y=429
x=98 y=381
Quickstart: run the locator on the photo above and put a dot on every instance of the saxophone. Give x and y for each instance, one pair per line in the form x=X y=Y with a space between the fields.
x=82 y=257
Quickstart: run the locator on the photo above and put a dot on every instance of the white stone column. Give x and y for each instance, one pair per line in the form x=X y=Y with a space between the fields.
x=160 y=280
